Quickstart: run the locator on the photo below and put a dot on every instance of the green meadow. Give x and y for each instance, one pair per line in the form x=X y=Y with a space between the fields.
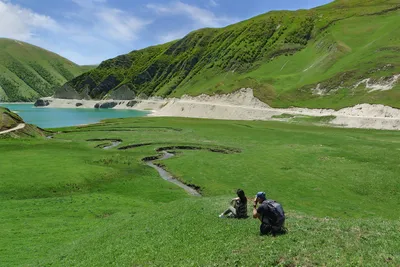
x=66 y=202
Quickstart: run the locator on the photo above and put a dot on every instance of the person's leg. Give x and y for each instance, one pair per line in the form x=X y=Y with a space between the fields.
x=230 y=212
x=265 y=229
x=233 y=212
x=226 y=212
x=279 y=229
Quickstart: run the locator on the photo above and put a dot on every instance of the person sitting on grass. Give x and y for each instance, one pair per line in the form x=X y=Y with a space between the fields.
x=271 y=215
x=238 y=208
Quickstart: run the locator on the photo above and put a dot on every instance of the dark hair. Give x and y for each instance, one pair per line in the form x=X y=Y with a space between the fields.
x=241 y=195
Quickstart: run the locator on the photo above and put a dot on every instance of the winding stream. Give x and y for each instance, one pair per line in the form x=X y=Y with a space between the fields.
x=167 y=176
x=163 y=154
x=113 y=144
x=150 y=162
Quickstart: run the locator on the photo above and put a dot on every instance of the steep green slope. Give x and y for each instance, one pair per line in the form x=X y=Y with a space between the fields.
x=28 y=72
x=313 y=58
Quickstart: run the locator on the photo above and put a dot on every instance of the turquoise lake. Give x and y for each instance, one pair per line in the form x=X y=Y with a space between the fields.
x=61 y=117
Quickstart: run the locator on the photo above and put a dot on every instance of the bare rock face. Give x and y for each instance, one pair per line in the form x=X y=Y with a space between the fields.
x=42 y=103
x=104 y=87
x=122 y=93
x=142 y=96
x=85 y=93
x=67 y=92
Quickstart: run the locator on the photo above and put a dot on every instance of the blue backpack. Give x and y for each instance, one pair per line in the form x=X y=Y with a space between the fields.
x=276 y=214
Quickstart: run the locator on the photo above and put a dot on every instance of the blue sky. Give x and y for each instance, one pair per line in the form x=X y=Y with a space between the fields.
x=89 y=31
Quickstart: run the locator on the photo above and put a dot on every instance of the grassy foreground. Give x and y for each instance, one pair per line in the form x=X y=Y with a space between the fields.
x=64 y=202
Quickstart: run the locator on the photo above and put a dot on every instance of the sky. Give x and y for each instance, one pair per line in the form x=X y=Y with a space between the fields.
x=90 y=31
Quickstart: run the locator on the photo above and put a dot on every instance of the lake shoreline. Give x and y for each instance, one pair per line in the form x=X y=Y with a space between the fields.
x=68 y=117
x=16 y=103
x=241 y=105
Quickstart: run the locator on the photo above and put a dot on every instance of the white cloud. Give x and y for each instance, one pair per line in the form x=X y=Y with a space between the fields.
x=119 y=25
x=21 y=23
x=201 y=17
x=86 y=34
x=110 y=23
x=213 y=3
x=89 y=3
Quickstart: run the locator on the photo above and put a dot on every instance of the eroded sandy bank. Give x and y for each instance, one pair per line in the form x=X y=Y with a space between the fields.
x=242 y=105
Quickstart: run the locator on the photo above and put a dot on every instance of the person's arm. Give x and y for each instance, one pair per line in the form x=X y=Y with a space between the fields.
x=255 y=213
x=234 y=200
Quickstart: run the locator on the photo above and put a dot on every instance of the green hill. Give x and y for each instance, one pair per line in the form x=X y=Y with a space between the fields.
x=28 y=72
x=10 y=120
x=311 y=58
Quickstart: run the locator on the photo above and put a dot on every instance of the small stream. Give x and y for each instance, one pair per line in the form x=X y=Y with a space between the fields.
x=167 y=176
x=113 y=144
x=150 y=162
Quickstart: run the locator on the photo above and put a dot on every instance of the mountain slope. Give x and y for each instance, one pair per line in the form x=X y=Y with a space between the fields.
x=28 y=72
x=336 y=55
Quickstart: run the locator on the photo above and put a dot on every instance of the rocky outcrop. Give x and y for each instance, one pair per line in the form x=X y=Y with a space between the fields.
x=104 y=87
x=122 y=93
x=42 y=103
x=106 y=105
x=131 y=103
x=67 y=92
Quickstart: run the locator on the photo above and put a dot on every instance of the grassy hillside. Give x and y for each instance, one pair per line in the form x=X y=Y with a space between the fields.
x=28 y=72
x=9 y=120
x=309 y=58
x=65 y=202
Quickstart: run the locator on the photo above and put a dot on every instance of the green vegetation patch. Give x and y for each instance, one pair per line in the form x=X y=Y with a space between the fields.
x=314 y=119
x=283 y=116
x=304 y=119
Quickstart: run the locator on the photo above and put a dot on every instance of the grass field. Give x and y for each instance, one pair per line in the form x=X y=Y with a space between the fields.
x=64 y=202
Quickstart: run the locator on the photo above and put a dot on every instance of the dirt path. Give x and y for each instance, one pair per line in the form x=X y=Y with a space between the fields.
x=18 y=127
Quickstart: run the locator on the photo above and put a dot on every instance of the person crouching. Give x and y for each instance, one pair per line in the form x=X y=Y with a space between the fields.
x=271 y=215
